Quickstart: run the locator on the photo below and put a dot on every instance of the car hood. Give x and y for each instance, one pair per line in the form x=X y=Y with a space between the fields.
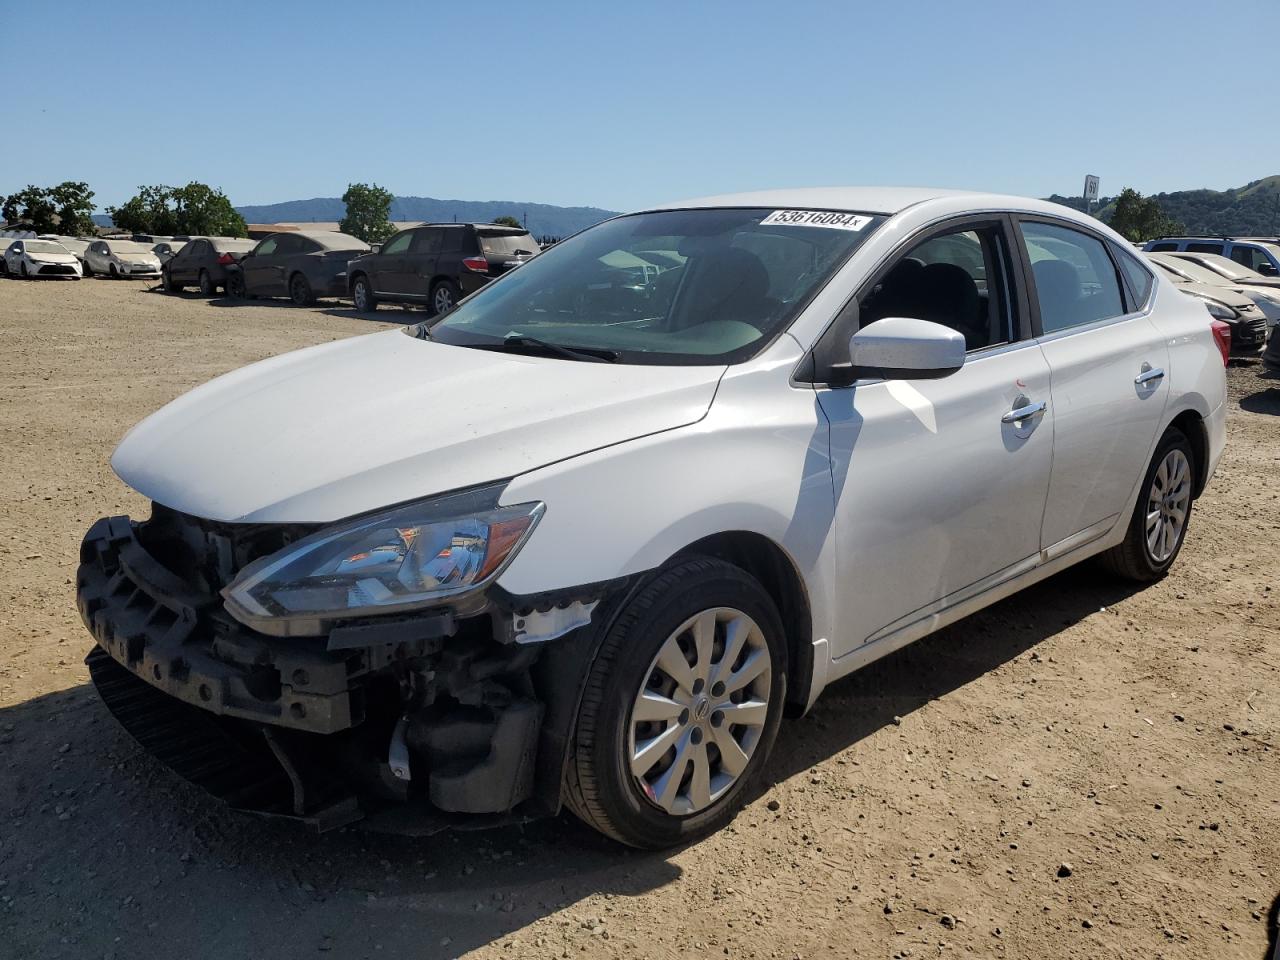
x=355 y=425
x=51 y=257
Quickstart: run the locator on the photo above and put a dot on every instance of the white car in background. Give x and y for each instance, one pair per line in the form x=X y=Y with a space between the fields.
x=1224 y=302
x=40 y=258
x=122 y=259
x=1264 y=291
x=597 y=528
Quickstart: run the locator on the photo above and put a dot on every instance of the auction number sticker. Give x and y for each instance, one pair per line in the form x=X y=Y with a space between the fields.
x=831 y=219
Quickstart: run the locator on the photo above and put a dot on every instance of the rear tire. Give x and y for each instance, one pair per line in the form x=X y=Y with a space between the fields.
x=300 y=291
x=86 y=270
x=623 y=788
x=362 y=294
x=1161 y=516
x=207 y=287
x=443 y=297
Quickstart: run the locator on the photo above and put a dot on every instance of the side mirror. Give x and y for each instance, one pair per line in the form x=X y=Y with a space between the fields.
x=375 y=248
x=1267 y=269
x=904 y=348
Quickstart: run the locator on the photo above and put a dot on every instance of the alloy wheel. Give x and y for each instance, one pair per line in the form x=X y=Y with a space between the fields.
x=361 y=295
x=701 y=711
x=1168 y=501
x=443 y=299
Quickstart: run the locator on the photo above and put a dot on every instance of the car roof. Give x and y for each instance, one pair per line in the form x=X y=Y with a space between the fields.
x=878 y=200
x=329 y=239
x=478 y=226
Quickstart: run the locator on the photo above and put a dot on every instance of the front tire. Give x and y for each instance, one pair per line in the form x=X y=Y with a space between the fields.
x=300 y=291
x=1160 y=518
x=26 y=275
x=207 y=287
x=362 y=295
x=169 y=285
x=235 y=286
x=115 y=273
x=681 y=707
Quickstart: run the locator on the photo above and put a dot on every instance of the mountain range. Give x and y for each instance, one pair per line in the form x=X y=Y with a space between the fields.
x=542 y=219
x=1251 y=210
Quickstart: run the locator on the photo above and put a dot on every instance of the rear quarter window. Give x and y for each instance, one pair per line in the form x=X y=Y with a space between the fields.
x=1138 y=279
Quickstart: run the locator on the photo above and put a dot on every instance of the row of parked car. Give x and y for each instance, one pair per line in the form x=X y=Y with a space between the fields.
x=436 y=264
x=433 y=264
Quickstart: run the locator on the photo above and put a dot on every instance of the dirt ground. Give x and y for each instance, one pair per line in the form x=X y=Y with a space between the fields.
x=926 y=807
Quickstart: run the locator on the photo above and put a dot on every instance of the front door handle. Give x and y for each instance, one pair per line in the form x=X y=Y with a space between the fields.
x=1148 y=375
x=1018 y=414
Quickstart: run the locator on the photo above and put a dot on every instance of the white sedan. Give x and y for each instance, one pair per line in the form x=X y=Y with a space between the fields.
x=599 y=527
x=122 y=259
x=41 y=258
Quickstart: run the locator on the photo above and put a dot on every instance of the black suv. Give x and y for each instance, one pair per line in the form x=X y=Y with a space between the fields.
x=437 y=264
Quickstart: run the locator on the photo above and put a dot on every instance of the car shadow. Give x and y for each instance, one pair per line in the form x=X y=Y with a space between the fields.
x=855 y=707
x=1263 y=401
x=105 y=850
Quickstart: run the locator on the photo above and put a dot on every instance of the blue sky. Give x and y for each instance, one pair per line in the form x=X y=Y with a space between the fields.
x=620 y=104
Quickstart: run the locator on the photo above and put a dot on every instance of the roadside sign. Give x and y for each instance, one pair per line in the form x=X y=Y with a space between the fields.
x=1090 y=187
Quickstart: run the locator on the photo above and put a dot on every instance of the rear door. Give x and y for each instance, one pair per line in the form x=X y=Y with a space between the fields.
x=1107 y=363
x=186 y=263
x=421 y=262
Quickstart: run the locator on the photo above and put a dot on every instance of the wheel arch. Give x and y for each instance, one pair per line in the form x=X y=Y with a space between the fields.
x=768 y=563
x=1192 y=426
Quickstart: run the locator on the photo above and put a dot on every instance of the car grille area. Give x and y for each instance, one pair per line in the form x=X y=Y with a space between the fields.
x=56 y=270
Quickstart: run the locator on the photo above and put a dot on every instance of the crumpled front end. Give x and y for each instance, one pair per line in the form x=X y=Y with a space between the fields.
x=414 y=721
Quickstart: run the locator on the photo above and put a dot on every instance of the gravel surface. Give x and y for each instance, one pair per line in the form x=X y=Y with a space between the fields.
x=1082 y=771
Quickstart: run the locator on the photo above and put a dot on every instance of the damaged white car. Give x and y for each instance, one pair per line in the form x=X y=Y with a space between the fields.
x=584 y=539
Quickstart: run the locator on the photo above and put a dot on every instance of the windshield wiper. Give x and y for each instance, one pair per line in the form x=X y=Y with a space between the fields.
x=592 y=354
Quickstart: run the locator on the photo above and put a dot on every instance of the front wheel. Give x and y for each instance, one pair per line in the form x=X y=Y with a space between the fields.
x=235 y=286
x=681 y=707
x=115 y=273
x=1158 y=526
x=300 y=291
x=207 y=287
x=26 y=274
x=169 y=286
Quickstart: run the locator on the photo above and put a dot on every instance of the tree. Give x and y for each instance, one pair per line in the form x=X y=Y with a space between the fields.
x=74 y=201
x=507 y=222
x=65 y=209
x=1139 y=218
x=368 y=212
x=194 y=210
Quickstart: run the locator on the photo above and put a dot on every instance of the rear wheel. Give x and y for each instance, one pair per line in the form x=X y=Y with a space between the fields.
x=207 y=287
x=300 y=291
x=1158 y=526
x=85 y=269
x=681 y=707
x=362 y=294
x=443 y=296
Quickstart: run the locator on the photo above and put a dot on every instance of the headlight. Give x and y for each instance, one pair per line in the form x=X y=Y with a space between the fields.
x=1217 y=310
x=401 y=559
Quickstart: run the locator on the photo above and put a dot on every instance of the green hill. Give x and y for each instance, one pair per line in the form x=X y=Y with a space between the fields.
x=1251 y=210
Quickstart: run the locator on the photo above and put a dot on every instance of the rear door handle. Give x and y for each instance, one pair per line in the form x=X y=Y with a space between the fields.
x=1149 y=375
x=1018 y=414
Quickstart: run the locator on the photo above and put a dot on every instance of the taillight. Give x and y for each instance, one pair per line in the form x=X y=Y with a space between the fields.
x=1222 y=337
x=476 y=264
x=226 y=259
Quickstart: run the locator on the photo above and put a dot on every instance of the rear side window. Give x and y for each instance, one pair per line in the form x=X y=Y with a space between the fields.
x=1253 y=258
x=1136 y=276
x=1204 y=247
x=1165 y=245
x=451 y=242
x=1075 y=281
x=426 y=241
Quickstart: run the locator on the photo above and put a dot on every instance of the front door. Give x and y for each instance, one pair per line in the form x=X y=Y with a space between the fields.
x=1107 y=360
x=940 y=490
x=262 y=268
x=389 y=269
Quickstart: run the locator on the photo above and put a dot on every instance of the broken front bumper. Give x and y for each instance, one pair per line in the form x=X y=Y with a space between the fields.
x=412 y=721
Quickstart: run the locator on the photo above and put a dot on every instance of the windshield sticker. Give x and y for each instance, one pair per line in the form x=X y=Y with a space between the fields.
x=831 y=219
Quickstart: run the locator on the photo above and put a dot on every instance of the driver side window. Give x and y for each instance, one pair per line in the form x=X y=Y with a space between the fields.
x=399 y=243
x=957 y=279
x=266 y=247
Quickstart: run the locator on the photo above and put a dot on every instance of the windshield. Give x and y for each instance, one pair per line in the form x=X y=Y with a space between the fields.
x=673 y=287
x=45 y=246
x=128 y=246
x=508 y=244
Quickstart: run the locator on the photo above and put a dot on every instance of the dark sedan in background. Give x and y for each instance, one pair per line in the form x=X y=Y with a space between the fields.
x=437 y=264
x=301 y=266
x=202 y=262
